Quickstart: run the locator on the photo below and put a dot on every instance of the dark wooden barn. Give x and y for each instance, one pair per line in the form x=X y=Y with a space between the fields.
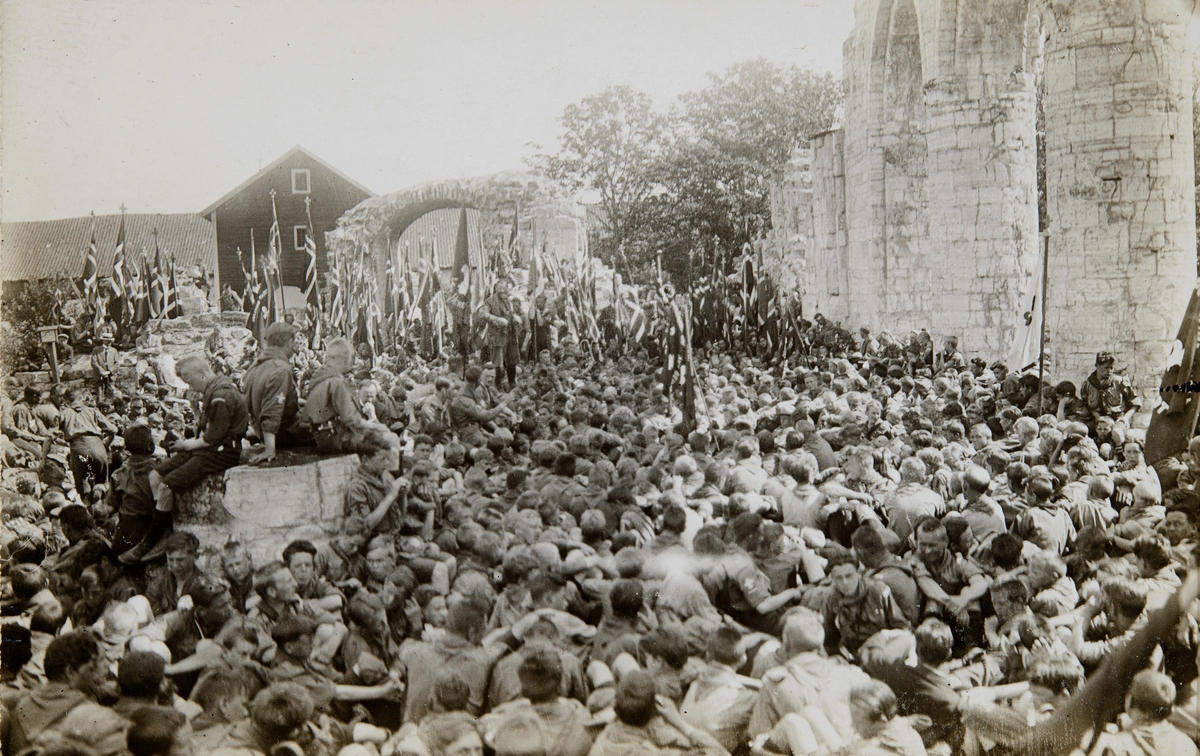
x=295 y=176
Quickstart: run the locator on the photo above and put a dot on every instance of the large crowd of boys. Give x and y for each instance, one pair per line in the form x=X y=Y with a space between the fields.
x=871 y=547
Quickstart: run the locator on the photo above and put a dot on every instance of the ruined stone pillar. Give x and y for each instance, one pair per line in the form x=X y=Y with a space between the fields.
x=1120 y=183
x=983 y=208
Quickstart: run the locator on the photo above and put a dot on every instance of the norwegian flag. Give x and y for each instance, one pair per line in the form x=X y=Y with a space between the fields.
x=336 y=295
x=171 y=306
x=118 y=282
x=91 y=273
x=310 y=268
x=156 y=282
x=271 y=265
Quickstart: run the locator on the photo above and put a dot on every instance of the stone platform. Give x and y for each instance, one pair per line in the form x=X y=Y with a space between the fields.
x=298 y=496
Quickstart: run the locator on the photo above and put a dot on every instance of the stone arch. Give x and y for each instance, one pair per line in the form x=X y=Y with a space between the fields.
x=901 y=150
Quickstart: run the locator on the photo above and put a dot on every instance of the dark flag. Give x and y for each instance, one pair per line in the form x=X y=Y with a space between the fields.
x=120 y=302
x=1174 y=420
x=749 y=296
x=462 y=257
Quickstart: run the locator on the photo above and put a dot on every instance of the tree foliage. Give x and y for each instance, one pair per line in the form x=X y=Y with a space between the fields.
x=610 y=143
x=697 y=175
x=32 y=305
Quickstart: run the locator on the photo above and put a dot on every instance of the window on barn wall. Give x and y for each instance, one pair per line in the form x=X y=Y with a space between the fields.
x=299 y=236
x=301 y=181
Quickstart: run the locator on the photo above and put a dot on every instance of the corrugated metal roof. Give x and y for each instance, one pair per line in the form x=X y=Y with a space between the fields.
x=42 y=249
x=442 y=226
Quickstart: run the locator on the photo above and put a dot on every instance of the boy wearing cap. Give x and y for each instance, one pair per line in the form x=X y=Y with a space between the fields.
x=104 y=364
x=1105 y=394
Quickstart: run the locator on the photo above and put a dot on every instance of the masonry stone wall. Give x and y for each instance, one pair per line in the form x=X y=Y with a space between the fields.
x=825 y=287
x=924 y=204
x=1120 y=181
x=792 y=207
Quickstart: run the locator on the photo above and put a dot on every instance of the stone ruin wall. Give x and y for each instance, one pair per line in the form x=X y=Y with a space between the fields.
x=923 y=208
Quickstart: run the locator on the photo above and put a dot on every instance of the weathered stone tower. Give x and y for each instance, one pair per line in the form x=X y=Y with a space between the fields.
x=1120 y=179
x=924 y=207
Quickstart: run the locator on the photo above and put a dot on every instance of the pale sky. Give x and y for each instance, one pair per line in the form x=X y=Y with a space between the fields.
x=166 y=106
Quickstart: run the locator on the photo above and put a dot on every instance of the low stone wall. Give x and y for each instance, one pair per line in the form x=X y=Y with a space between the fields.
x=267 y=507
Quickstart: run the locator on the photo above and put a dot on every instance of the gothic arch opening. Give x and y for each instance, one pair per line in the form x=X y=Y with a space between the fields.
x=902 y=144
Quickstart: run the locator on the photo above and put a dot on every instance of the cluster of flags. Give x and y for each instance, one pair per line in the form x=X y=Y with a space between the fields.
x=576 y=288
x=137 y=292
x=263 y=286
x=734 y=300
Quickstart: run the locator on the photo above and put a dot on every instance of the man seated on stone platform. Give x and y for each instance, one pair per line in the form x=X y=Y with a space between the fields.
x=217 y=447
x=338 y=422
x=271 y=395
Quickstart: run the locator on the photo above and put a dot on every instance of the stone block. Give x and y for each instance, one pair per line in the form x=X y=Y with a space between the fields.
x=333 y=477
x=203 y=504
x=266 y=507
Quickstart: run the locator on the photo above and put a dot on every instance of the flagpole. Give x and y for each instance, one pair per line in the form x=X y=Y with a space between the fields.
x=1042 y=347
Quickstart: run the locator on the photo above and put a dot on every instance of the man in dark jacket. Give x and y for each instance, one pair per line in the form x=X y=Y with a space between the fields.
x=337 y=419
x=271 y=394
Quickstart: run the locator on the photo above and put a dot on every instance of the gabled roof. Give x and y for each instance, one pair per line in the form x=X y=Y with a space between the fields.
x=278 y=162
x=43 y=249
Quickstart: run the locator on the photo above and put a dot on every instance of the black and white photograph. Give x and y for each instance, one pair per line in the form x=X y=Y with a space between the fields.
x=636 y=378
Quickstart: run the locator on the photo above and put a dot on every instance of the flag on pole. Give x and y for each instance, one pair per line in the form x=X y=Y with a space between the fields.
x=91 y=273
x=336 y=295
x=1027 y=338
x=136 y=290
x=1174 y=420
x=310 y=269
x=171 y=307
x=271 y=265
x=515 y=233
x=156 y=282
x=462 y=256
x=118 y=282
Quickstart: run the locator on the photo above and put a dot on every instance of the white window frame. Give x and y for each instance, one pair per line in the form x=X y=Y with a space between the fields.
x=297 y=243
x=307 y=180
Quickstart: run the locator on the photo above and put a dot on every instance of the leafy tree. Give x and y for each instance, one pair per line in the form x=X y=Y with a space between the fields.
x=32 y=305
x=732 y=139
x=701 y=172
x=610 y=143
x=762 y=111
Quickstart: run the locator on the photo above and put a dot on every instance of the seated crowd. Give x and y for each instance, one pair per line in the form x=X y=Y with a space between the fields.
x=884 y=551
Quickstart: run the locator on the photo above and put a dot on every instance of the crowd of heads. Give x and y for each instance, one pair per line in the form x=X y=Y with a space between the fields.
x=871 y=543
